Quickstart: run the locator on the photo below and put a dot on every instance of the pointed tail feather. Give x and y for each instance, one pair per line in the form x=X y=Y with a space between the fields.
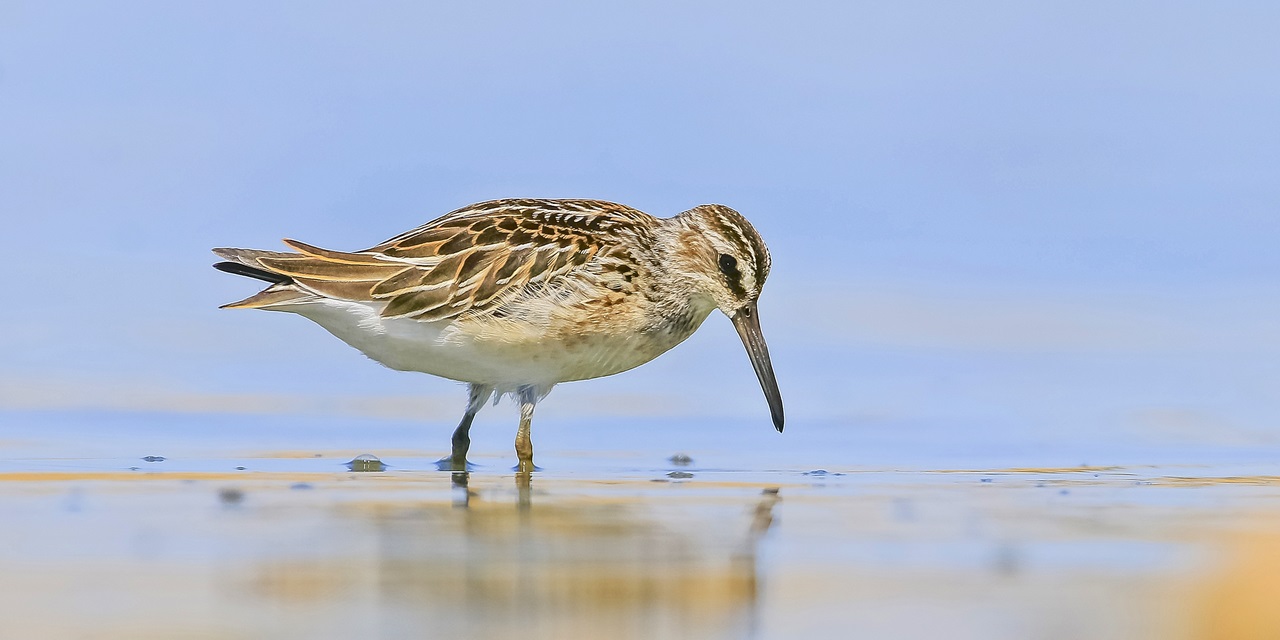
x=272 y=296
x=281 y=294
x=244 y=262
x=249 y=256
x=241 y=269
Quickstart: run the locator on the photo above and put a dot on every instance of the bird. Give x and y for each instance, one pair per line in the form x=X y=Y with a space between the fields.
x=515 y=296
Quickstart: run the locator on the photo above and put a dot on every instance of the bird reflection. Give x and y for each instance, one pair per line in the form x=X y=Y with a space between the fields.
x=460 y=480
x=559 y=564
x=524 y=489
x=461 y=491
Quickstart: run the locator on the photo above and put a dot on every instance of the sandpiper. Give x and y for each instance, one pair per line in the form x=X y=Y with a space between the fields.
x=515 y=296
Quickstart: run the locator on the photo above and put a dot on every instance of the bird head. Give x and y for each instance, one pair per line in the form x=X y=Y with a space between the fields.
x=728 y=263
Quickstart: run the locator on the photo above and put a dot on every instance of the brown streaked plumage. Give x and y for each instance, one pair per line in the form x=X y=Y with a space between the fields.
x=515 y=296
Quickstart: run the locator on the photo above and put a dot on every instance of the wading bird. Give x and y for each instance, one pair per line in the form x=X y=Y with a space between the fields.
x=516 y=296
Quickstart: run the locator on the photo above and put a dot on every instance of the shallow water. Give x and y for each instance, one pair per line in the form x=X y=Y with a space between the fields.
x=222 y=542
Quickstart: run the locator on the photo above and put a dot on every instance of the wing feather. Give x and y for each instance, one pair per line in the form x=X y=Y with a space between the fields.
x=355 y=290
x=472 y=260
x=414 y=305
x=324 y=269
x=335 y=256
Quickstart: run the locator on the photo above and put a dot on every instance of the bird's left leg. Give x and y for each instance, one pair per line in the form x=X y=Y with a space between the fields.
x=477 y=395
x=524 y=444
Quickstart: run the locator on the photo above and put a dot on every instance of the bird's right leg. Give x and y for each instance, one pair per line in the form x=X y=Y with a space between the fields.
x=524 y=441
x=477 y=396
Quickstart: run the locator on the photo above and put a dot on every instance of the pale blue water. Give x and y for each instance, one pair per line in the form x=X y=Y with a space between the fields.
x=86 y=440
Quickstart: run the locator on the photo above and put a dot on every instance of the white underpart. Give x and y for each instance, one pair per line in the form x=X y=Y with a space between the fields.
x=506 y=359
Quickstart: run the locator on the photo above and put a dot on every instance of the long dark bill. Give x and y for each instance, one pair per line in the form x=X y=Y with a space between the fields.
x=747 y=322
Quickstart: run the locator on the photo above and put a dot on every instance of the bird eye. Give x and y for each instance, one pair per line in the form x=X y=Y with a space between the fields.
x=729 y=266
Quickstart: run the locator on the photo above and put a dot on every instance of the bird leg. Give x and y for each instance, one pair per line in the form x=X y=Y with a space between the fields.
x=524 y=444
x=478 y=394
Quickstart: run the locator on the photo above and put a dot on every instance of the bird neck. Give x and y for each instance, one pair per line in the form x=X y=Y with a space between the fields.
x=678 y=302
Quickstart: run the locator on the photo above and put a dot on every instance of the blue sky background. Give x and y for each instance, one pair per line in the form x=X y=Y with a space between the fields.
x=1049 y=221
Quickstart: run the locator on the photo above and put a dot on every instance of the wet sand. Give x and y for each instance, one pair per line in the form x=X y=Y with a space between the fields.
x=295 y=545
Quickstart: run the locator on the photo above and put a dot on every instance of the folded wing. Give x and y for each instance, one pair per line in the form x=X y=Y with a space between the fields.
x=440 y=271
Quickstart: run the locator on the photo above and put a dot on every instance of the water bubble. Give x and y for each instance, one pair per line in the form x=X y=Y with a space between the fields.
x=366 y=462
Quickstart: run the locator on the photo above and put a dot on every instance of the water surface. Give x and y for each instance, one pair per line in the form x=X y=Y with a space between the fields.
x=222 y=541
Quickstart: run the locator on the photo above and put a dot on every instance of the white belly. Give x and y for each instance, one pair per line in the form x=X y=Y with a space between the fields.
x=504 y=359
